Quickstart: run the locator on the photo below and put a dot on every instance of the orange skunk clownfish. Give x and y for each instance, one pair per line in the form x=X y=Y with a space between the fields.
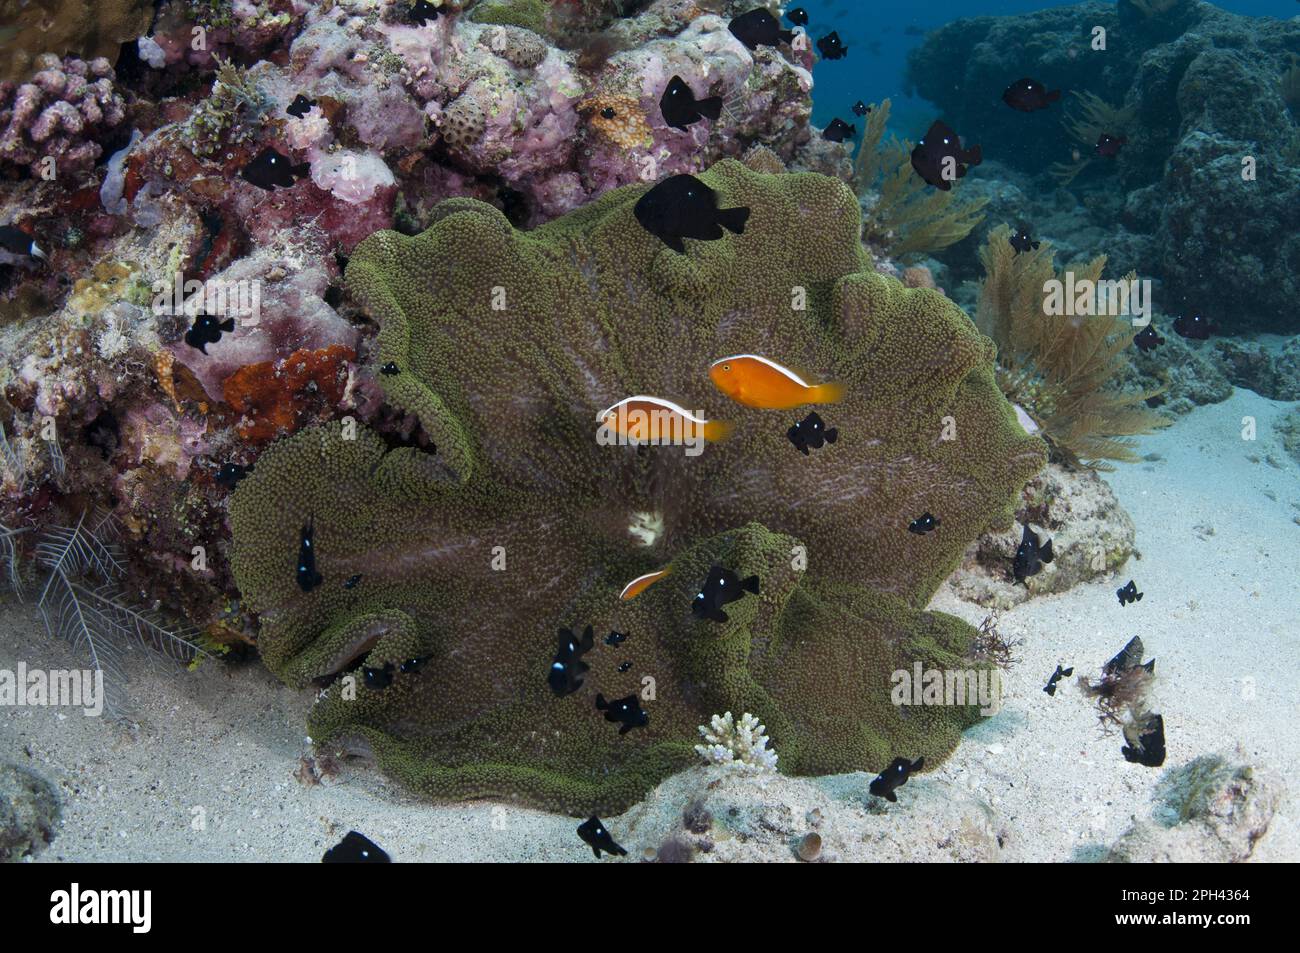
x=654 y=420
x=641 y=583
x=760 y=382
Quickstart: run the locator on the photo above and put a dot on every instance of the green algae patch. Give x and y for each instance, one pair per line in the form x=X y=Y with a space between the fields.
x=472 y=558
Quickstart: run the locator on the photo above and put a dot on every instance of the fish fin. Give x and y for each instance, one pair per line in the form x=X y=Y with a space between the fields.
x=827 y=394
x=751 y=584
x=734 y=219
x=891 y=797
x=918 y=764
x=802 y=448
x=718 y=615
x=974 y=155
x=710 y=108
x=625 y=729
x=1067 y=672
x=1053 y=96
x=676 y=243
x=717 y=430
x=787 y=36
x=601 y=704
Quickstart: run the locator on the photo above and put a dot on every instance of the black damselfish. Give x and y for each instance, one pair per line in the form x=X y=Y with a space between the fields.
x=798 y=16
x=812 y=433
x=680 y=107
x=423 y=11
x=300 y=106
x=923 y=524
x=378 y=678
x=722 y=587
x=838 y=131
x=831 y=47
x=860 y=108
x=1128 y=593
x=308 y=577
x=567 y=670
x=1148 y=339
x=1022 y=241
x=759 y=28
x=413 y=665
x=1193 y=327
x=939 y=157
x=1059 y=674
x=595 y=836
x=352 y=581
x=682 y=207
x=899 y=770
x=390 y=368
x=270 y=170
x=626 y=711
x=356 y=849
x=207 y=329
x=616 y=639
x=1146 y=741
x=231 y=473
x=1031 y=555
x=1109 y=146
x=17 y=242
x=1128 y=659
x=624 y=666
x=1029 y=96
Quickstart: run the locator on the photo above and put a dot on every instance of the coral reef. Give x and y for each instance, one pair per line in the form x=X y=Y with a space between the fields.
x=1061 y=368
x=1213 y=809
x=1203 y=88
x=505 y=346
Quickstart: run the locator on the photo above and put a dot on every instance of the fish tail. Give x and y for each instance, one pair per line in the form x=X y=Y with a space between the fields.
x=751 y=584
x=228 y=324
x=717 y=430
x=827 y=394
x=733 y=219
x=1045 y=554
x=974 y=155
x=1053 y=96
x=710 y=108
x=832 y=435
x=601 y=704
x=301 y=169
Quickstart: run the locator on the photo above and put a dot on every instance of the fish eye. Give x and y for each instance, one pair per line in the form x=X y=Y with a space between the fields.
x=608 y=112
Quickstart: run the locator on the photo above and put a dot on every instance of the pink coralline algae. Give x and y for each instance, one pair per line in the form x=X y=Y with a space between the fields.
x=62 y=114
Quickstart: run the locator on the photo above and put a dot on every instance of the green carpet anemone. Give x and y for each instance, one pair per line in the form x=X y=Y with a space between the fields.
x=507 y=345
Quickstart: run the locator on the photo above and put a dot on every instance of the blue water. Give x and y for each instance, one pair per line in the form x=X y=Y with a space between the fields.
x=878 y=47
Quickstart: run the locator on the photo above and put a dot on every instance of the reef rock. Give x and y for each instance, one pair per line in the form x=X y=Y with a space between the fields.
x=710 y=815
x=1091 y=536
x=506 y=345
x=1197 y=90
x=1211 y=810
x=29 y=813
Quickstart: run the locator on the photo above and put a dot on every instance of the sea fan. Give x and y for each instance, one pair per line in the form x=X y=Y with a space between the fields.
x=1062 y=370
x=12 y=458
x=9 y=556
x=1085 y=122
x=82 y=604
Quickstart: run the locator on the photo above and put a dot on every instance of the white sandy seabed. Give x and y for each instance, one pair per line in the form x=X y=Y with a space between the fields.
x=1219 y=561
